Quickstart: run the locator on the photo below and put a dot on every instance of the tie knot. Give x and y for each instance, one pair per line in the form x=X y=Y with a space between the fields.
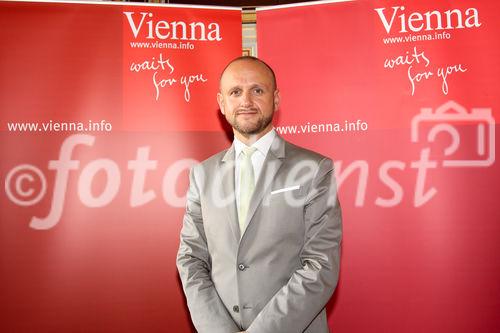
x=248 y=151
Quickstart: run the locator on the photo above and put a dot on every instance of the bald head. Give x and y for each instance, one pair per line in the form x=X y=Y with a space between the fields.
x=255 y=61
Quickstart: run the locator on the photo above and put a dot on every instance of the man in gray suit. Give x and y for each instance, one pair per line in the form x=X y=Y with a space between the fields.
x=260 y=242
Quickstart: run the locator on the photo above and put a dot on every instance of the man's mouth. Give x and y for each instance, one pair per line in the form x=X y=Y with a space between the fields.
x=246 y=111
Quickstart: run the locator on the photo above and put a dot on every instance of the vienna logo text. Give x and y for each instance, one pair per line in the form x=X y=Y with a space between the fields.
x=398 y=19
x=145 y=25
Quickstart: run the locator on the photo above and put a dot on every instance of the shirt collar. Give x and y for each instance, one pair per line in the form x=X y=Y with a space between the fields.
x=262 y=145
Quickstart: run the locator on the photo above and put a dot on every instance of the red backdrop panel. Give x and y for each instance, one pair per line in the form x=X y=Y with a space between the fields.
x=90 y=215
x=403 y=96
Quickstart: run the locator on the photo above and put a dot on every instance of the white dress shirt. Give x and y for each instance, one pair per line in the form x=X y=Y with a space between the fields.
x=262 y=145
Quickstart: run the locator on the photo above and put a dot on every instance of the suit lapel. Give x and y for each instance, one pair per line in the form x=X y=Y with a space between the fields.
x=272 y=164
x=228 y=188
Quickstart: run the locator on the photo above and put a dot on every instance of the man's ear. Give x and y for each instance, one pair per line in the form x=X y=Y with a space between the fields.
x=220 y=101
x=277 y=99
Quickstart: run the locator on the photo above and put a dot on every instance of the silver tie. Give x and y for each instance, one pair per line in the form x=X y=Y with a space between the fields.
x=247 y=185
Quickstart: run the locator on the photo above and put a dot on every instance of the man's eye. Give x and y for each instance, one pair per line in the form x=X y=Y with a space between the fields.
x=258 y=91
x=234 y=93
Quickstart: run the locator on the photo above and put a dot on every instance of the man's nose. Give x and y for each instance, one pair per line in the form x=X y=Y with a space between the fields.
x=246 y=98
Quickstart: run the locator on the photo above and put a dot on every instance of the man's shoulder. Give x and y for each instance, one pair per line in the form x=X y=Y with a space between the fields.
x=299 y=157
x=302 y=153
x=214 y=159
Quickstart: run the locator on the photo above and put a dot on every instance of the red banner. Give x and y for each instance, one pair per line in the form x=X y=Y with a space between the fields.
x=103 y=109
x=403 y=95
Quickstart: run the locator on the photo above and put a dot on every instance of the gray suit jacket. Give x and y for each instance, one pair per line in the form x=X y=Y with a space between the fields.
x=277 y=276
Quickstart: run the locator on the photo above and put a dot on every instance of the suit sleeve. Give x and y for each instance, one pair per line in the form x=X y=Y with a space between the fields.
x=208 y=313
x=309 y=288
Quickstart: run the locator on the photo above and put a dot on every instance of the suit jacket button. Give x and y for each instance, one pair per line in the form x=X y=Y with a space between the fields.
x=236 y=308
x=241 y=267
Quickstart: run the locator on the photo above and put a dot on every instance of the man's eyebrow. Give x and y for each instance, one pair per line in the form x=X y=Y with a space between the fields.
x=252 y=86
